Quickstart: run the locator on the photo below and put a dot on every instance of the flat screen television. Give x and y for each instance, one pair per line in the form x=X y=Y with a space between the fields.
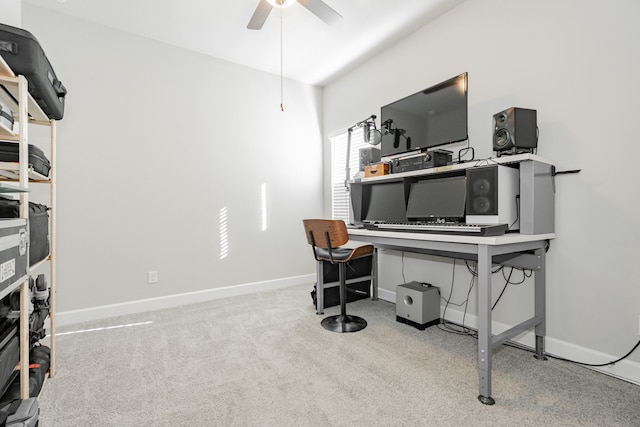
x=432 y=117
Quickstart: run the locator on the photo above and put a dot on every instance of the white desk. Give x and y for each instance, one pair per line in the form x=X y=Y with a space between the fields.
x=518 y=250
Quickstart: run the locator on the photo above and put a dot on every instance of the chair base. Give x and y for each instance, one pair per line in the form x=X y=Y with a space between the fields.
x=344 y=323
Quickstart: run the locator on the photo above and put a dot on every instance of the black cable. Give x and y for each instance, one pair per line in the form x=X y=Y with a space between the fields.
x=503 y=289
x=525 y=275
x=596 y=364
x=474 y=273
x=507 y=282
x=488 y=161
x=517 y=212
x=446 y=326
x=444 y=312
x=530 y=350
x=464 y=314
x=465 y=151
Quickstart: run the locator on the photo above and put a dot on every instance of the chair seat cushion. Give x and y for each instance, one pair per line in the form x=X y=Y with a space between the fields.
x=343 y=254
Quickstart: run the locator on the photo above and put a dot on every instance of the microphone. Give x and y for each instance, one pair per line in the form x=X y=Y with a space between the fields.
x=397 y=133
x=367 y=132
x=371 y=134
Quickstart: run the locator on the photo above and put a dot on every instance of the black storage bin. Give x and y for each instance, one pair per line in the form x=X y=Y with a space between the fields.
x=38 y=226
x=355 y=291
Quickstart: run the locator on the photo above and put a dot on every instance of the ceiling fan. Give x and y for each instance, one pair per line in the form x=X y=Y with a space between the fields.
x=317 y=7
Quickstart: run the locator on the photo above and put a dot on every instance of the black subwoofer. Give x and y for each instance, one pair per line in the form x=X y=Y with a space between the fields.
x=515 y=130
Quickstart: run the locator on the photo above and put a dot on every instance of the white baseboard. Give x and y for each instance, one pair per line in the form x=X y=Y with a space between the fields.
x=386 y=295
x=112 y=310
x=626 y=369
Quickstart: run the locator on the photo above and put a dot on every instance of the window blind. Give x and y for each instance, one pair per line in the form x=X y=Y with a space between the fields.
x=339 y=193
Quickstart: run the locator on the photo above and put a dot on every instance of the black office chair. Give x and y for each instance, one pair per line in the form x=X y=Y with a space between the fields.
x=327 y=238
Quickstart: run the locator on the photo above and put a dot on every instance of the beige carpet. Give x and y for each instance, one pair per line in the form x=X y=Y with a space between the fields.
x=264 y=360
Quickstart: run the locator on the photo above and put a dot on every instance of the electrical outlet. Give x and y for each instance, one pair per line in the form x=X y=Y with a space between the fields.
x=152 y=277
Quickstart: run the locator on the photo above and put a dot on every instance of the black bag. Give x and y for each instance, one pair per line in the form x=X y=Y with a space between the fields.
x=39 y=363
x=9 y=358
x=38 y=226
x=22 y=413
x=37 y=160
x=23 y=53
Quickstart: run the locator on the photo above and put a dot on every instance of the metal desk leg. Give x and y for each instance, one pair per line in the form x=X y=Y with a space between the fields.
x=374 y=271
x=484 y=324
x=320 y=288
x=540 y=303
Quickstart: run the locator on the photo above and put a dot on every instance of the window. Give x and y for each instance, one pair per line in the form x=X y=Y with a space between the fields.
x=339 y=194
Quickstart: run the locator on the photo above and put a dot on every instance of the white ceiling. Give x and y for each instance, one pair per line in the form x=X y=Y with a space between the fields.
x=313 y=52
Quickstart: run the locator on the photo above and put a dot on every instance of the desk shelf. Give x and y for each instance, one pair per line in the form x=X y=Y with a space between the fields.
x=504 y=160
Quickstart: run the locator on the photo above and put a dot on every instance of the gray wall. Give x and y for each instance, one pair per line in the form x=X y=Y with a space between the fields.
x=576 y=63
x=155 y=141
x=11 y=12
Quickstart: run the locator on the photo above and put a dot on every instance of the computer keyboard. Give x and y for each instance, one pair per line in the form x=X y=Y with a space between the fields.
x=441 y=227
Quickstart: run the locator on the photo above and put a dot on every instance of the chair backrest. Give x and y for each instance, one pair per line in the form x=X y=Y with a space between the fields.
x=317 y=231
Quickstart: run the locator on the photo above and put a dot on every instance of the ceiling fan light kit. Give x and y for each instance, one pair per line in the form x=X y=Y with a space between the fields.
x=318 y=7
x=281 y=3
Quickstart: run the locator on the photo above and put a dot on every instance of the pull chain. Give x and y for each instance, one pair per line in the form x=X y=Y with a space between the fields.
x=281 y=68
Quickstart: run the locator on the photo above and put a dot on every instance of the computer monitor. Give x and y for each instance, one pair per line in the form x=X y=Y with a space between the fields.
x=385 y=202
x=438 y=199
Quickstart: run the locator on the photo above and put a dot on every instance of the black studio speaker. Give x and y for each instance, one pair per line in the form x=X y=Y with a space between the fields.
x=368 y=156
x=482 y=194
x=492 y=195
x=515 y=130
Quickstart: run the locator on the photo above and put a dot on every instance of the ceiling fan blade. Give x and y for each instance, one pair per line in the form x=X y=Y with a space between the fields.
x=322 y=11
x=260 y=15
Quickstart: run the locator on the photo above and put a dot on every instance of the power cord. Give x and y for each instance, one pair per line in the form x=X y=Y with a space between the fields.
x=464 y=151
x=563 y=359
x=517 y=211
x=448 y=326
x=597 y=364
